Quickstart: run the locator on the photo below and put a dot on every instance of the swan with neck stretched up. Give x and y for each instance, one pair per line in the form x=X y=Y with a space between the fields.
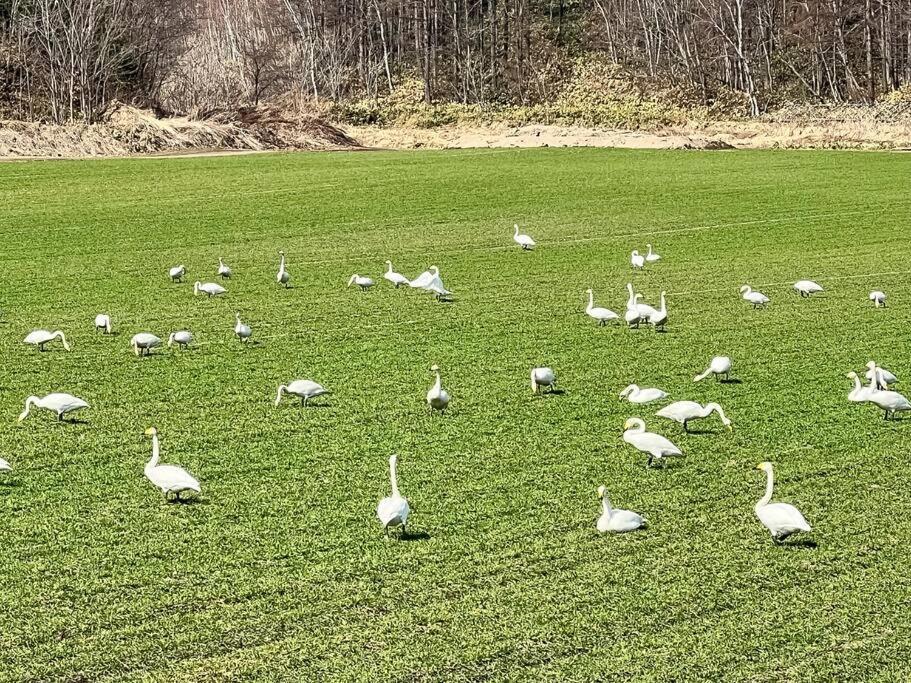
x=781 y=519
x=283 y=277
x=860 y=393
x=524 y=241
x=103 y=323
x=757 y=299
x=210 y=289
x=598 y=313
x=658 y=319
x=41 y=337
x=634 y=394
x=541 y=378
x=651 y=256
x=615 y=520
x=655 y=445
x=59 y=403
x=883 y=377
x=720 y=365
x=171 y=479
x=396 y=279
x=182 y=338
x=177 y=272
x=241 y=330
x=878 y=298
x=305 y=389
x=637 y=260
x=393 y=511
x=685 y=412
x=143 y=343
x=806 y=287
x=361 y=281
x=223 y=270
x=437 y=396
x=645 y=311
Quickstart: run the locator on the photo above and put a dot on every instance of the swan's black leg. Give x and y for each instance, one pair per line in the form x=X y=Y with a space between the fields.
x=686 y=426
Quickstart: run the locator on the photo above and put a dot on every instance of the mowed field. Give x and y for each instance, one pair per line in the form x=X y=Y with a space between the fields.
x=281 y=570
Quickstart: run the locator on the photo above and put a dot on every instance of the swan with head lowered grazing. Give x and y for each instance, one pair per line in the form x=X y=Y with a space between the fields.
x=756 y=298
x=393 y=510
x=878 y=298
x=182 y=338
x=171 y=479
x=634 y=394
x=143 y=343
x=396 y=279
x=41 y=337
x=210 y=289
x=59 y=403
x=781 y=519
x=651 y=256
x=686 y=411
x=223 y=270
x=305 y=389
x=241 y=331
x=524 y=241
x=543 y=377
x=806 y=287
x=655 y=445
x=602 y=315
x=883 y=377
x=437 y=396
x=103 y=323
x=283 y=277
x=177 y=272
x=431 y=281
x=637 y=260
x=720 y=365
x=615 y=520
x=361 y=281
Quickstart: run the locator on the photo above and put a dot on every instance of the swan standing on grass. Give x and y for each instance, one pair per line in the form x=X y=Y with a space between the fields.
x=243 y=332
x=602 y=315
x=524 y=241
x=396 y=279
x=62 y=404
x=223 y=270
x=878 y=298
x=41 y=337
x=806 y=287
x=169 y=478
x=543 y=377
x=424 y=278
x=393 y=510
x=651 y=256
x=615 y=520
x=210 y=289
x=182 y=338
x=304 y=388
x=655 y=445
x=859 y=394
x=658 y=319
x=143 y=343
x=755 y=298
x=637 y=260
x=781 y=519
x=720 y=365
x=361 y=281
x=283 y=277
x=437 y=396
x=634 y=394
x=103 y=323
x=686 y=411
x=890 y=402
x=632 y=315
x=177 y=272
x=883 y=377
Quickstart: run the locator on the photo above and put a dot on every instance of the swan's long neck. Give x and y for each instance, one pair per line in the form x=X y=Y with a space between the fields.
x=153 y=461
x=389 y=266
x=438 y=384
x=59 y=335
x=281 y=263
x=281 y=392
x=591 y=301
x=632 y=296
x=874 y=383
x=638 y=427
x=605 y=504
x=221 y=263
x=663 y=310
x=195 y=289
x=714 y=407
x=857 y=387
x=171 y=339
x=770 y=483
x=393 y=479
x=703 y=375
x=29 y=402
x=649 y=249
x=516 y=226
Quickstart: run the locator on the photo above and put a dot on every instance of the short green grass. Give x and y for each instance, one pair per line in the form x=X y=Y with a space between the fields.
x=281 y=571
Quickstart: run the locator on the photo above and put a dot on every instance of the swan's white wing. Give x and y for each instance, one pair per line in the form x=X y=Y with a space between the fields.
x=171 y=478
x=422 y=280
x=782 y=518
x=393 y=511
x=625 y=520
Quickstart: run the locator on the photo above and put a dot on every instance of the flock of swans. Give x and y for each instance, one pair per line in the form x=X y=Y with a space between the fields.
x=782 y=520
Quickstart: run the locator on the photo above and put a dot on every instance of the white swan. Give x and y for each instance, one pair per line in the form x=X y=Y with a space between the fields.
x=807 y=287
x=283 y=277
x=62 y=404
x=177 y=272
x=543 y=377
x=615 y=520
x=524 y=241
x=5 y=466
x=651 y=256
x=437 y=396
x=303 y=388
x=720 y=365
x=208 y=288
x=655 y=445
x=393 y=510
x=634 y=394
x=755 y=298
x=361 y=281
x=890 y=402
x=396 y=279
x=686 y=411
x=883 y=377
x=41 y=337
x=659 y=318
x=241 y=331
x=424 y=278
x=171 y=479
x=143 y=343
x=182 y=338
x=878 y=298
x=636 y=259
x=602 y=315
x=223 y=270
x=781 y=519
x=859 y=394
x=103 y=323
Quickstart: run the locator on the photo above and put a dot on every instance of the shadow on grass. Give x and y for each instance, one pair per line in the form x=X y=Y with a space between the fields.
x=732 y=380
x=799 y=543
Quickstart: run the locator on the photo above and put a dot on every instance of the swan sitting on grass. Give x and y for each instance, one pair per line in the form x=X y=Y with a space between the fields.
x=781 y=519
x=613 y=519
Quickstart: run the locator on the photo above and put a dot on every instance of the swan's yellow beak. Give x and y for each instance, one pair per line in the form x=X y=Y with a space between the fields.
x=626 y=425
x=730 y=427
x=150 y=431
x=760 y=466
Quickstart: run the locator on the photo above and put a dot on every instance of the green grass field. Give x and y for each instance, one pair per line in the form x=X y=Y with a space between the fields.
x=282 y=572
